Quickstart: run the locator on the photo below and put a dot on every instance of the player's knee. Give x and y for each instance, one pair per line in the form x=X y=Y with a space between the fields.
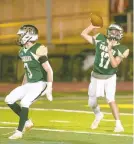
x=92 y=102
x=8 y=100
x=25 y=103
x=109 y=100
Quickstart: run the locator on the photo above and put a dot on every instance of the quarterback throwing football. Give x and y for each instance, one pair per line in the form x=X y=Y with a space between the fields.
x=109 y=54
x=37 y=80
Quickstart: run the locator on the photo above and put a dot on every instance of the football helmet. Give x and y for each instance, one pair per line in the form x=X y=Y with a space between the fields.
x=115 y=32
x=27 y=33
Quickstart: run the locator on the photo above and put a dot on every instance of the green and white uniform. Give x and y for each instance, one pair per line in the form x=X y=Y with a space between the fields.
x=36 y=78
x=103 y=77
x=102 y=65
x=33 y=69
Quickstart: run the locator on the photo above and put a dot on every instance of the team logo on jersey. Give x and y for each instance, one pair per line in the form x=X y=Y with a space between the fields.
x=26 y=58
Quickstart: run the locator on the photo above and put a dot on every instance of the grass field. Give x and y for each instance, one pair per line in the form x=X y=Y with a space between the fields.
x=67 y=120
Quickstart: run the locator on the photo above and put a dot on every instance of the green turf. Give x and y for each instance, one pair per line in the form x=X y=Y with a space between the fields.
x=77 y=102
x=76 y=125
x=41 y=137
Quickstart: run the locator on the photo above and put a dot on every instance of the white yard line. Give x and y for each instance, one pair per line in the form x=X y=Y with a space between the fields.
x=15 y=123
x=59 y=121
x=70 y=111
x=69 y=131
x=110 y=120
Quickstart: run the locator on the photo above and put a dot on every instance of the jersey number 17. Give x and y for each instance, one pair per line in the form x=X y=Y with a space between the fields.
x=104 y=56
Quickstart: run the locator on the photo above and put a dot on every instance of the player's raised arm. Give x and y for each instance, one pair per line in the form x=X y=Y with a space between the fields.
x=86 y=33
x=96 y=22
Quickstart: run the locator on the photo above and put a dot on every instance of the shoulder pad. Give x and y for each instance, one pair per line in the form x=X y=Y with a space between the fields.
x=41 y=51
x=101 y=37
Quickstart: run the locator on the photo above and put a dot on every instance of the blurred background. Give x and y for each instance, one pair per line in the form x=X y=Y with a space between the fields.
x=60 y=23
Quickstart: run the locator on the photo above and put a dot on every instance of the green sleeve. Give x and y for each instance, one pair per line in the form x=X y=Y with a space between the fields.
x=99 y=37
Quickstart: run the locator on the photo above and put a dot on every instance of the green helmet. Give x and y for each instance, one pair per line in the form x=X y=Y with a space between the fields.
x=115 y=32
x=27 y=33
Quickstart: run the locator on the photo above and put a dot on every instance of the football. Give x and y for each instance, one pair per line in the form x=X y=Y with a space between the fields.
x=96 y=20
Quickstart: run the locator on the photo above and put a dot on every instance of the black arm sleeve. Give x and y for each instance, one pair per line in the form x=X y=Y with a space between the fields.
x=43 y=59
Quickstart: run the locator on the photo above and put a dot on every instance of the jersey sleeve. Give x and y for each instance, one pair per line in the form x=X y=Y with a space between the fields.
x=98 y=38
x=123 y=51
x=41 y=51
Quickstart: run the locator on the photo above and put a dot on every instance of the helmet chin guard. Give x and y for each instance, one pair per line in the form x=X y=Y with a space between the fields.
x=27 y=33
x=115 y=32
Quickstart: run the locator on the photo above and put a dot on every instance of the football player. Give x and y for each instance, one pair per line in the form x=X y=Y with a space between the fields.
x=109 y=54
x=37 y=80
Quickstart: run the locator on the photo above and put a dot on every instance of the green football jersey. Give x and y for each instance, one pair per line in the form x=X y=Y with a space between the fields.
x=33 y=69
x=102 y=63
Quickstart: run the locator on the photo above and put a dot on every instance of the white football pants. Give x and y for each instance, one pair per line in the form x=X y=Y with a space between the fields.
x=102 y=87
x=26 y=93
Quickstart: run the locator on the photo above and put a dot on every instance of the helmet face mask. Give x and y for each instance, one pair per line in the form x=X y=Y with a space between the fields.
x=115 y=32
x=27 y=33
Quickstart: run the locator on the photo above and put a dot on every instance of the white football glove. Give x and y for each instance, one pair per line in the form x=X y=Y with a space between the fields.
x=48 y=91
